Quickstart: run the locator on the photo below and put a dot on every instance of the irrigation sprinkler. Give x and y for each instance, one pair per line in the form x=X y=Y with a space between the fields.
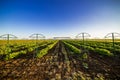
x=8 y=36
x=113 y=35
x=84 y=52
x=83 y=35
x=36 y=37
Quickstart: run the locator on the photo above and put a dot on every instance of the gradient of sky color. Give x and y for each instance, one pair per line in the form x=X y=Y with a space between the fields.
x=59 y=17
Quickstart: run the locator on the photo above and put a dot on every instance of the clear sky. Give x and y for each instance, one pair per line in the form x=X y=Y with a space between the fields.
x=59 y=17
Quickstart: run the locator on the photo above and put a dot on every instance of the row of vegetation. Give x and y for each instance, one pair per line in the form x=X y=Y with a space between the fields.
x=102 y=48
x=19 y=48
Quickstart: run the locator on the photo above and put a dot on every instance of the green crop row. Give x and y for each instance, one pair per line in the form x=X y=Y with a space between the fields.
x=10 y=53
x=72 y=48
x=46 y=49
x=15 y=54
x=98 y=49
x=103 y=52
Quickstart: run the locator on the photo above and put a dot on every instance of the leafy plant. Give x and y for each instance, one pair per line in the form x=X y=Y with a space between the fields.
x=72 y=48
x=103 y=52
x=45 y=50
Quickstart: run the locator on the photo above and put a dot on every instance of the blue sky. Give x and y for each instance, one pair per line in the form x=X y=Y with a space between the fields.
x=59 y=17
